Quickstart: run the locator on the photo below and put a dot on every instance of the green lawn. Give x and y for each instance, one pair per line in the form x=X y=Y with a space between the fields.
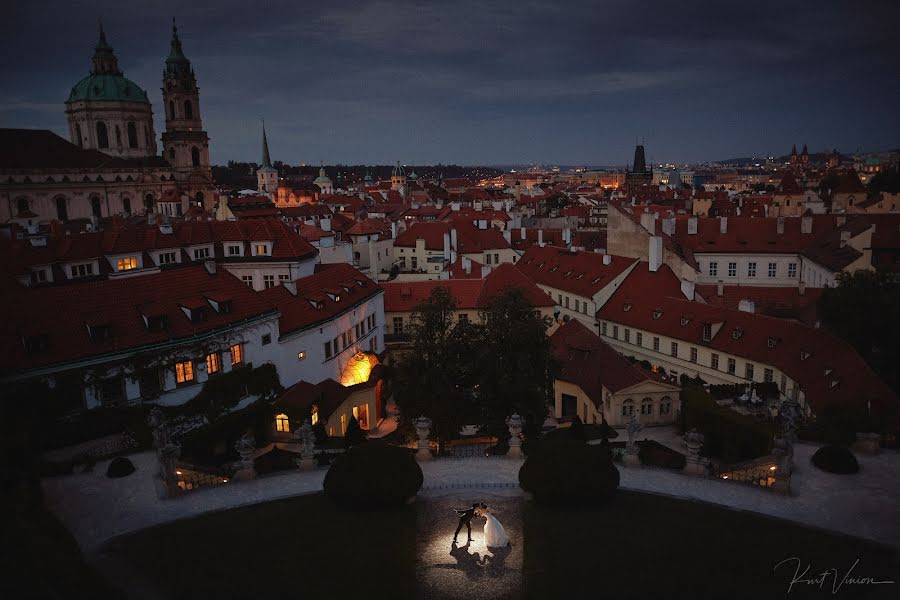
x=300 y=548
x=647 y=546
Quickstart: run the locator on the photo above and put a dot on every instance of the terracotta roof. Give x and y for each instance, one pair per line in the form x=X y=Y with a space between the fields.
x=121 y=304
x=371 y=226
x=751 y=234
x=850 y=184
x=788 y=185
x=775 y=301
x=587 y=361
x=469 y=293
x=43 y=149
x=330 y=291
x=469 y=238
x=827 y=368
x=581 y=273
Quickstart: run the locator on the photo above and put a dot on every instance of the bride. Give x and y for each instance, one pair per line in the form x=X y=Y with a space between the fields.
x=494 y=534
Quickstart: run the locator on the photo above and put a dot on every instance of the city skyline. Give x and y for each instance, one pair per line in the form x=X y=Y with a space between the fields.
x=376 y=82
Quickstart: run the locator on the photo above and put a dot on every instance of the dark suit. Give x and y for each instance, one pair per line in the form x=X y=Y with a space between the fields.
x=465 y=518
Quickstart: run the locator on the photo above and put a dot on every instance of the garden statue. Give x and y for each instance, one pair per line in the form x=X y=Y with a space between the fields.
x=515 y=423
x=423 y=431
x=307 y=445
x=631 y=458
x=694 y=463
x=745 y=397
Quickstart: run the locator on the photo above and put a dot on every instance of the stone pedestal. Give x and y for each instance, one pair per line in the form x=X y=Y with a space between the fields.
x=695 y=464
x=697 y=468
x=307 y=438
x=246 y=448
x=305 y=463
x=867 y=443
x=423 y=431
x=515 y=424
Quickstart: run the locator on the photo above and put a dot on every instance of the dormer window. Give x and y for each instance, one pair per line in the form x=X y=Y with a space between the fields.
x=554 y=269
x=707 y=332
x=335 y=297
x=804 y=355
x=360 y=282
x=657 y=314
x=596 y=280
x=772 y=342
x=737 y=333
x=828 y=372
x=156 y=322
x=34 y=343
x=834 y=383
x=569 y=272
x=262 y=249
x=127 y=264
x=580 y=275
x=198 y=315
x=315 y=304
x=626 y=307
x=685 y=321
x=234 y=250
x=99 y=332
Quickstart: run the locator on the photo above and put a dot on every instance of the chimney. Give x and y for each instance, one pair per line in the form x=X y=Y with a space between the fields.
x=393 y=229
x=477 y=206
x=607 y=260
x=841 y=219
x=210 y=266
x=747 y=306
x=692 y=225
x=325 y=224
x=482 y=224
x=523 y=232
x=446 y=246
x=165 y=228
x=806 y=224
x=720 y=288
x=779 y=225
x=467 y=265
x=668 y=226
x=507 y=235
x=723 y=224
x=648 y=222
x=485 y=271
x=566 y=236
x=655 y=253
x=541 y=238
x=291 y=287
x=845 y=237
x=454 y=206
x=801 y=288
x=453 y=239
x=687 y=288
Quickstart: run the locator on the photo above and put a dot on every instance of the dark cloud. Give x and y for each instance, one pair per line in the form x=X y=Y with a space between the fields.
x=486 y=82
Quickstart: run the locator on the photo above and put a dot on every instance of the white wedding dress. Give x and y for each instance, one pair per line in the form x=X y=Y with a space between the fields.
x=494 y=534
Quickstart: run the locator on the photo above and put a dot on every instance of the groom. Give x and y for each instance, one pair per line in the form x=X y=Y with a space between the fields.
x=465 y=518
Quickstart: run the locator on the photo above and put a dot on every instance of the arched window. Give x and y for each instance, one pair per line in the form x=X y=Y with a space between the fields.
x=195 y=156
x=188 y=110
x=22 y=205
x=171 y=109
x=126 y=205
x=118 y=137
x=628 y=408
x=132 y=135
x=62 y=210
x=199 y=199
x=95 y=207
x=102 y=136
x=78 y=139
x=647 y=407
x=282 y=423
x=148 y=203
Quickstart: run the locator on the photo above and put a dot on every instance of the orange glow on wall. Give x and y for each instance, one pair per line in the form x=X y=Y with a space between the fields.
x=358 y=369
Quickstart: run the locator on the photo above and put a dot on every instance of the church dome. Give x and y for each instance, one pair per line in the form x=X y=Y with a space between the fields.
x=322 y=178
x=398 y=171
x=108 y=86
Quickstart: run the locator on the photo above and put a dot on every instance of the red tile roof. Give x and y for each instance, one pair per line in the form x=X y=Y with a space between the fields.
x=783 y=302
x=314 y=303
x=587 y=361
x=371 y=226
x=43 y=149
x=828 y=369
x=580 y=273
x=63 y=312
x=469 y=239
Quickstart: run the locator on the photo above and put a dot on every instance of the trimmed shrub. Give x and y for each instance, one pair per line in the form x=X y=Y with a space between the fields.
x=654 y=454
x=835 y=459
x=569 y=473
x=372 y=476
x=119 y=467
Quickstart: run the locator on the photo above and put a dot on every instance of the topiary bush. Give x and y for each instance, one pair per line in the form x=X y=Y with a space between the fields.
x=119 y=467
x=569 y=473
x=373 y=476
x=836 y=459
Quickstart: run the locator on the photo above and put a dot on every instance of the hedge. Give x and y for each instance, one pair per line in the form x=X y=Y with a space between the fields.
x=836 y=459
x=569 y=473
x=372 y=476
x=731 y=436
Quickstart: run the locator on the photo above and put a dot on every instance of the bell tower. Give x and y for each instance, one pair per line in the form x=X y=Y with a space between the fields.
x=185 y=144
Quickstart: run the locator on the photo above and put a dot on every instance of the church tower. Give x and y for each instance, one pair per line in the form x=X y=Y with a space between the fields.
x=185 y=144
x=398 y=179
x=266 y=175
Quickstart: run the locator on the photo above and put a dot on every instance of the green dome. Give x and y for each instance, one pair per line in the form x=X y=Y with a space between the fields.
x=108 y=86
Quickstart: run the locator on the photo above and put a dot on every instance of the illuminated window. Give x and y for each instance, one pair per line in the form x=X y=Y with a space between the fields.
x=301 y=355
x=343 y=424
x=282 y=423
x=127 y=264
x=213 y=363
x=262 y=249
x=184 y=371
x=314 y=417
x=237 y=354
x=361 y=413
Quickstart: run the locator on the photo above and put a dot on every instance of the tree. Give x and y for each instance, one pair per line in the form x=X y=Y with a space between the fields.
x=515 y=361
x=434 y=378
x=862 y=310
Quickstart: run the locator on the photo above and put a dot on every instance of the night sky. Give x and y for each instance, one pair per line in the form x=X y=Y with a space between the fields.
x=494 y=82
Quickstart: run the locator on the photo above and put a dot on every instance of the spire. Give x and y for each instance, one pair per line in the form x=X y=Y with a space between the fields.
x=104 y=61
x=266 y=162
x=177 y=64
x=794 y=150
x=640 y=163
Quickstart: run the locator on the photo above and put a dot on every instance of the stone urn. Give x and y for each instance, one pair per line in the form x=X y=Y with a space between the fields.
x=423 y=431
x=515 y=423
x=694 y=463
